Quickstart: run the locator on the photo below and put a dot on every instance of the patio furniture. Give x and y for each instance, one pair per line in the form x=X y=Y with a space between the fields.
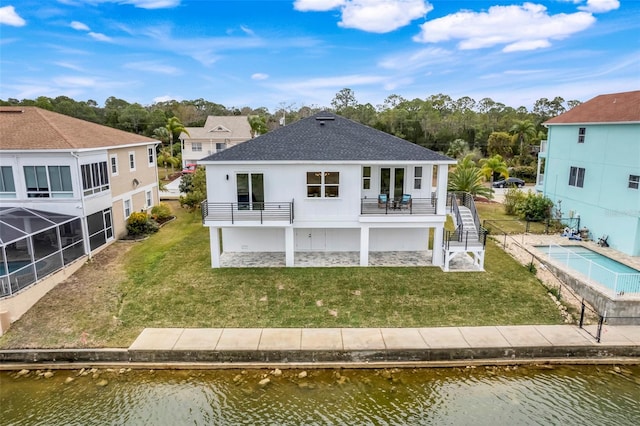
x=405 y=201
x=382 y=201
x=602 y=241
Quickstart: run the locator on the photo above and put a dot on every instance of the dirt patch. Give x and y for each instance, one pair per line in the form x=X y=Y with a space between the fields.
x=90 y=296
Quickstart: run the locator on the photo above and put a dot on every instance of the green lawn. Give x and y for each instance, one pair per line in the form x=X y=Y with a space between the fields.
x=167 y=281
x=498 y=222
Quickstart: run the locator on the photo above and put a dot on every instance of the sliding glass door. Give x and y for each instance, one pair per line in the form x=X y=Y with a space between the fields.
x=392 y=181
x=250 y=191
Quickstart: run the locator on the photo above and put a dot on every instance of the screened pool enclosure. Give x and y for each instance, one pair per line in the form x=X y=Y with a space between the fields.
x=35 y=244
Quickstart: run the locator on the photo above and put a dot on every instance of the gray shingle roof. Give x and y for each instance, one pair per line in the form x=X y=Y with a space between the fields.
x=327 y=137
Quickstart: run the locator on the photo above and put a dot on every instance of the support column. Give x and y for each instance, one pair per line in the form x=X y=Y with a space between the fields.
x=214 y=243
x=289 y=246
x=443 y=170
x=364 y=246
x=437 y=253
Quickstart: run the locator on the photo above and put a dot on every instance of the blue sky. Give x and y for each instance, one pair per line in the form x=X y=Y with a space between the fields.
x=276 y=53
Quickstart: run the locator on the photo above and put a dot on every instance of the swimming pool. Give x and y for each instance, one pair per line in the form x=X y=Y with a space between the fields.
x=616 y=276
x=14 y=265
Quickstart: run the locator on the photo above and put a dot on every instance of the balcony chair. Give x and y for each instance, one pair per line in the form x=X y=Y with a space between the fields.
x=405 y=201
x=382 y=201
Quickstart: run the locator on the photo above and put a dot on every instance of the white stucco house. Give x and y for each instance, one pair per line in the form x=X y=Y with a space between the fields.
x=217 y=134
x=326 y=184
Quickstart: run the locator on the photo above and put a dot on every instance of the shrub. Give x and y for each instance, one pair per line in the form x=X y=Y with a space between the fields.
x=139 y=223
x=512 y=197
x=534 y=207
x=161 y=212
x=526 y=173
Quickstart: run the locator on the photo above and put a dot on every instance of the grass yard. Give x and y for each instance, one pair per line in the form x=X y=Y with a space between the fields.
x=498 y=222
x=167 y=281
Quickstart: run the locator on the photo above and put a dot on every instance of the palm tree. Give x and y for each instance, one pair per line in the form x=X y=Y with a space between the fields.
x=523 y=131
x=493 y=165
x=166 y=158
x=258 y=125
x=175 y=128
x=468 y=180
x=162 y=134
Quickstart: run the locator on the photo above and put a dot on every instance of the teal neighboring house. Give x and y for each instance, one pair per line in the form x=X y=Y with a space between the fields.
x=590 y=167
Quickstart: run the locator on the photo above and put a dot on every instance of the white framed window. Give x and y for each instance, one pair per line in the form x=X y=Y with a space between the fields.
x=417 y=177
x=196 y=147
x=113 y=164
x=323 y=184
x=151 y=156
x=582 y=131
x=148 y=198
x=7 y=184
x=95 y=178
x=221 y=146
x=127 y=208
x=132 y=161
x=366 y=177
x=576 y=177
x=634 y=181
x=48 y=181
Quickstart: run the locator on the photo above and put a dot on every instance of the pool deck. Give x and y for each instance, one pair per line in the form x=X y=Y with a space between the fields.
x=351 y=347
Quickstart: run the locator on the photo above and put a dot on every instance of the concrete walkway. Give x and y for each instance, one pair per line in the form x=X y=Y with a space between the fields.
x=382 y=344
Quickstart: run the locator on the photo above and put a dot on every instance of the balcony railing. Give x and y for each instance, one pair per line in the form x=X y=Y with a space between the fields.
x=275 y=211
x=416 y=206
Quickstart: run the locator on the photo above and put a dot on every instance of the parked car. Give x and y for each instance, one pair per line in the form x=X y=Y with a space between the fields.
x=508 y=182
x=191 y=168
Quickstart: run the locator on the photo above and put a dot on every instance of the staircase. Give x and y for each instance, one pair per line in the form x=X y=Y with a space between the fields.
x=469 y=236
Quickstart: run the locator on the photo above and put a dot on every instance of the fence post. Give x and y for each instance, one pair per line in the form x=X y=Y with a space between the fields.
x=599 y=333
x=504 y=244
x=581 y=314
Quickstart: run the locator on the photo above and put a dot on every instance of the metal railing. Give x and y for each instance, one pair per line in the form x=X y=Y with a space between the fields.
x=461 y=236
x=274 y=211
x=415 y=206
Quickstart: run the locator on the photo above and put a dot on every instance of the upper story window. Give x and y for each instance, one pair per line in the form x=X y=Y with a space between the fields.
x=7 y=185
x=220 y=146
x=417 y=174
x=132 y=161
x=576 y=177
x=48 y=181
x=366 y=177
x=634 y=181
x=581 y=132
x=151 y=156
x=95 y=178
x=196 y=147
x=323 y=184
x=113 y=161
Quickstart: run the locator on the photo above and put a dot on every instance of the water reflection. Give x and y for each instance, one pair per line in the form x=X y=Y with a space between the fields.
x=481 y=396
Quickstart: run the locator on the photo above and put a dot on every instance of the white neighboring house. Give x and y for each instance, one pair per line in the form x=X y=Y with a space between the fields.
x=217 y=134
x=67 y=187
x=316 y=185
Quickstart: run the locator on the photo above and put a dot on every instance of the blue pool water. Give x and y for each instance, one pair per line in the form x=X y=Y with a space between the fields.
x=13 y=266
x=596 y=266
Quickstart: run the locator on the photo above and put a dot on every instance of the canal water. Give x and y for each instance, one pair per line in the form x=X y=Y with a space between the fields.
x=533 y=395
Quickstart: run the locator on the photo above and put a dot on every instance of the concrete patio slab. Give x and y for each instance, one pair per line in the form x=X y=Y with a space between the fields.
x=198 y=339
x=629 y=331
x=239 y=339
x=561 y=335
x=403 y=338
x=357 y=339
x=277 y=339
x=483 y=337
x=443 y=337
x=314 y=339
x=157 y=339
x=611 y=335
x=522 y=336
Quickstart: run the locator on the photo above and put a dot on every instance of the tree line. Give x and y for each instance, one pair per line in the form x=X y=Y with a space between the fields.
x=438 y=122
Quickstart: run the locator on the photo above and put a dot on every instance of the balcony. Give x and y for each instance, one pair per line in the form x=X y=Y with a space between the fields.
x=277 y=211
x=543 y=149
x=417 y=206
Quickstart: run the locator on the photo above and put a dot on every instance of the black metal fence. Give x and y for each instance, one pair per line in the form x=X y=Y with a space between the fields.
x=248 y=212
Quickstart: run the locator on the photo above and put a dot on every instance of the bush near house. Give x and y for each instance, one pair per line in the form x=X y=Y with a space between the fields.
x=529 y=206
x=526 y=173
x=161 y=212
x=140 y=223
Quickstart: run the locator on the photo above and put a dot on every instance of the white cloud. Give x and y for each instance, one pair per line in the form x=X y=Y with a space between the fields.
x=152 y=4
x=80 y=26
x=8 y=16
x=75 y=82
x=407 y=61
x=376 y=16
x=99 y=36
x=154 y=67
x=69 y=66
x=317 y=5
x=523 y=27
x=259 y=76
x=247 y=30
x=337 y=82
x=165 y=98
x=600 y=6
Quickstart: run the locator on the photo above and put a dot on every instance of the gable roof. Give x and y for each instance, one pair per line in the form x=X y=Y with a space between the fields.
x=612 y=108
x=32 y=128
x=327 y=137
x=235 y=127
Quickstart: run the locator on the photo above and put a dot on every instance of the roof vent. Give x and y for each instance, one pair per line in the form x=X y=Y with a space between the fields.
x=324 y=118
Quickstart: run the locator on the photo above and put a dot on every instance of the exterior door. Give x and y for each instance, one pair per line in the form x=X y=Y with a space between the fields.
x=392 y=181
x=311 y=239
x=250 y=191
